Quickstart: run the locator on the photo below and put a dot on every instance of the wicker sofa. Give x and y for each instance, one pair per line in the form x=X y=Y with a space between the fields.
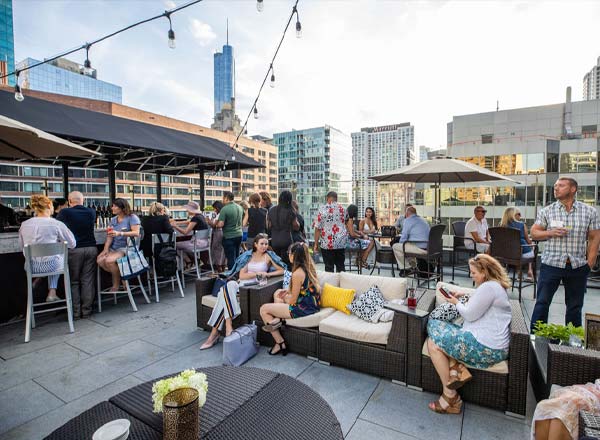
x=503 y=386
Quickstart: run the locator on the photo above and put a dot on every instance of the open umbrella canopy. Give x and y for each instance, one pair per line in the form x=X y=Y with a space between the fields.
x=441 y=170
x=22 y=141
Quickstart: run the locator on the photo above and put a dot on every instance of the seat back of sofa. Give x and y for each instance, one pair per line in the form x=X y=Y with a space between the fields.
x=391 y=288
x=329 y=278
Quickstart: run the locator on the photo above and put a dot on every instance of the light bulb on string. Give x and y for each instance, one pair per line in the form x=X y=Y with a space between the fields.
x=18 y=95
x=255 y=113
x=260 y=5
x=171 y=33
x=87 y=65
x=298 y=29
x=272 y=78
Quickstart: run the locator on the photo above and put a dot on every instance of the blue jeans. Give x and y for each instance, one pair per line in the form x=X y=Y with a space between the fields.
x=574 y=281
x=231 y=246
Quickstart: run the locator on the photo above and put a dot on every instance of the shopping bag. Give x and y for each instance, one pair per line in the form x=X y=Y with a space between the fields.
x=240 y=345
x=133 y=263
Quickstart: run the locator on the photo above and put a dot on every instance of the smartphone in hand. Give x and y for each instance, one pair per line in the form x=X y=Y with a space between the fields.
x=445 y=293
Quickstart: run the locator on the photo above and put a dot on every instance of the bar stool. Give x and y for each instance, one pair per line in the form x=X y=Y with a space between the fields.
x=46 y=250
x=203 y=234
x=164 y=240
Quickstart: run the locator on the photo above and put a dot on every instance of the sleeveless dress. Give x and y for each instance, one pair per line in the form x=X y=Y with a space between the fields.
x=308 y=301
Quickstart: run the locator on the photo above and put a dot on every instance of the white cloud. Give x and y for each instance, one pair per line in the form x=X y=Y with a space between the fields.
x=170 y=4
x=202 y=32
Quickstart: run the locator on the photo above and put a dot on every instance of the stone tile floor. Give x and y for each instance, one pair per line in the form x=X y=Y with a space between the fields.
x=58 y=375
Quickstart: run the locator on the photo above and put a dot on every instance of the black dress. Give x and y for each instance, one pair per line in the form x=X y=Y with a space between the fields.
x=257 y=218
x=153 y=224
x=282 y=226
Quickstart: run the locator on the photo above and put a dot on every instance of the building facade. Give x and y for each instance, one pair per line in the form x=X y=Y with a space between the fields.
x=533 y=146
x=591 y=83
x=7 y=43
x=66 y=77
x=224 y=78
x=376 y=150
x=313 y=162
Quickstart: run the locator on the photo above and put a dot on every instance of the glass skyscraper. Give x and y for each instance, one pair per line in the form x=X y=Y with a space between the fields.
x=66 y=78
x=313 y=162
x=224 y=77
x=7 y=43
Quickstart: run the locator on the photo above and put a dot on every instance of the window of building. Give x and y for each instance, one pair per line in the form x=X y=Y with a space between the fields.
x=9 y=170
x=552 y=162
x=487 y=138
x=589 y=130
x=578 y=162
x=9 y=186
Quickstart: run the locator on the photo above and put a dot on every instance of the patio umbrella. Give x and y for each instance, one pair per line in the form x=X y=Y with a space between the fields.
x=441 y=170
x=22 y=141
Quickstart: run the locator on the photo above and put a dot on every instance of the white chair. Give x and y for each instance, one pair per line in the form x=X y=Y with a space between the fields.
x=204 y=234
x=169 y=240
x=128 y=289
x=46 y=250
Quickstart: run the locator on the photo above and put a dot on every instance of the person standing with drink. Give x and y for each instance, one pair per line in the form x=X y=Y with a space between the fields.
x=566 y=225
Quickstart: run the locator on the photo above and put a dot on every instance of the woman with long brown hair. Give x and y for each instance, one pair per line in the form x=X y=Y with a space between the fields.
x=302 y=298
x=483 y=339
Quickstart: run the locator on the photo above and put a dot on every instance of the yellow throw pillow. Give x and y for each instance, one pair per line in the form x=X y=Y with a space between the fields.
x=337 y=297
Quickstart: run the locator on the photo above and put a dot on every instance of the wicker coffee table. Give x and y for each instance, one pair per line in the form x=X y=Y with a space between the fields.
x=242 y=403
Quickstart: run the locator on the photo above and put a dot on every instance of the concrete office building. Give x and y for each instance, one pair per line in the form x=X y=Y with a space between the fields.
x=533 y=145
x=312 y=162
x=7 y=43
x=376 y=150
x=591 y=83
x=66 y=77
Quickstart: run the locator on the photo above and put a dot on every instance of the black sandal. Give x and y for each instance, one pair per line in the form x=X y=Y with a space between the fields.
x=282 y=350
x=272 y=327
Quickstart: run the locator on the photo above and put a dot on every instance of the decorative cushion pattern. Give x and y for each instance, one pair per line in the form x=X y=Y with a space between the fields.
x=337 y=298
x=447 y=311
x=367 y=304
x=355 y=329
x=391 y=288
x=287 y=279
x=311 y=320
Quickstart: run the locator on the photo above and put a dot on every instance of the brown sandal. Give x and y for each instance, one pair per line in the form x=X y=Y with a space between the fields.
x=454 y=405
x=459 y=375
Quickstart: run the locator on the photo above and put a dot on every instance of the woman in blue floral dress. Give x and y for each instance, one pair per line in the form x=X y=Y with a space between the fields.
x=483 y=339
x=302 y=298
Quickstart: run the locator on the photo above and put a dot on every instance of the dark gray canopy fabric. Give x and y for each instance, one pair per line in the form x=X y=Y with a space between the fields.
x=135 y=146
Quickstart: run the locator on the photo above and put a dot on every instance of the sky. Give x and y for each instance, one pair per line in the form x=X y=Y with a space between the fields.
x=359 y=63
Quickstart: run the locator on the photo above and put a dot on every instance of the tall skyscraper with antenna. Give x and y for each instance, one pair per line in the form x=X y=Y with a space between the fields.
x=225 y=118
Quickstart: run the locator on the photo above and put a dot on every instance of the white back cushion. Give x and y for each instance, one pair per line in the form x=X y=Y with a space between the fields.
x=391 y=288
x=329 y=278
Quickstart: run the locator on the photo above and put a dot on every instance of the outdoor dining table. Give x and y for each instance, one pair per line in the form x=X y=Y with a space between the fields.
x=241 y=403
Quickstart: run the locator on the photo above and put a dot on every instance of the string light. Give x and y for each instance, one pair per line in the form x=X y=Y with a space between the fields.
x=171 y=33
x=18 y=95
x=272 y=77
x=260 y=5
x=298 y=25
x=255 y=113
x=87 y=65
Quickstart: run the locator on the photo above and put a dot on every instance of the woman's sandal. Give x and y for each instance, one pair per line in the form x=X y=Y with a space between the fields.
x=282 y=350
x=211 y=344
x=454 y=405
x=459 y=375
x=271 y=327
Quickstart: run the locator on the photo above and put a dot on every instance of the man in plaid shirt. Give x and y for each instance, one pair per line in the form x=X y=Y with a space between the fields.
x=566 y=225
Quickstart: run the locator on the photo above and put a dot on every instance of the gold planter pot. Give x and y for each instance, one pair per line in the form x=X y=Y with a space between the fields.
x=180 y=415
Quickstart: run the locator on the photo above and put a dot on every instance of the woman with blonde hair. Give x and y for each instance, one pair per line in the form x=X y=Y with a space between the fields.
x=512 y=219
x=44 y=229
x=155 y=223
x=483 y=339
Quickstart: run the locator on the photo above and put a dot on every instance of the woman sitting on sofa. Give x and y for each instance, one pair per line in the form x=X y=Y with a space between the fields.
x=483 y=339
x=302 y=298
x=227 y=307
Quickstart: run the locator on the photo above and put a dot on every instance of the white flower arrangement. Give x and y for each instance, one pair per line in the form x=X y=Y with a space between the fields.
x=185 y=379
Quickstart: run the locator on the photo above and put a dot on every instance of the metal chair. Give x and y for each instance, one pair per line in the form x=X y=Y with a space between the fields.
x=171 y=241
x=46 y=250
x=204 y=234
x=506 y=247
x=433 y=255
x=458 y=247
x=352 y=255
x=383 y=255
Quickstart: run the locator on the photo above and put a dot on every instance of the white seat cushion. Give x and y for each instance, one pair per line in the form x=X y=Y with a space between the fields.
x=391 y=288
x=439 y=298
x=329 y=278
x=209 y=301
x=310 y=320
x=352 y=327
x=499 y=368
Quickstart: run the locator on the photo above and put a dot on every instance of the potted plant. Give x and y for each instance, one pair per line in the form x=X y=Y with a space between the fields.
x=555 y=333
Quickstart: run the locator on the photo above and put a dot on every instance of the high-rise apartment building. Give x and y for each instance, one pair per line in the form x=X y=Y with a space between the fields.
x=376 y=150
x=7 y=43
x=591 y=83
x=313 y=162
x=66 y=77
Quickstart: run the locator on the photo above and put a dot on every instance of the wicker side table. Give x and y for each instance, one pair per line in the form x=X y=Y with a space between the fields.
x=589 y=424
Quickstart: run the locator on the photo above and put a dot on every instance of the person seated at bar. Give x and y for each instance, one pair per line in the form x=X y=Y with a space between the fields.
x=44 y=229
x=302 y=298
x=59 y=204
x=216 y=245
x=197 y=223
x=557 y=417
x=477 y=229
x=512 y=219
x=400 y=222
x=415 y=233
x=368 y=224
x=123 y=226
x=483 y=339
x=228 y=307
x=356 y=238
x=156 y=222
x=82 y=260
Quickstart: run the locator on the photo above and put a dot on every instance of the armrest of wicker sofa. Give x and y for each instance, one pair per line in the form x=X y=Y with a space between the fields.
x=518 y=361
x=256 y=296
x=203 y=287
x=572 y=365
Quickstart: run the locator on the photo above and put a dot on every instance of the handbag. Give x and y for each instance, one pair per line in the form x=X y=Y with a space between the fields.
x=240 y=345
x=133 y=263
x=219 y=282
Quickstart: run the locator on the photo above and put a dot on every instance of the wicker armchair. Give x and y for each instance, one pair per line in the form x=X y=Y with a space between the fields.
x=507 y=392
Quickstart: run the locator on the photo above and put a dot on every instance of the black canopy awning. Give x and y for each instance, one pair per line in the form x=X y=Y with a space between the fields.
x=134 y=145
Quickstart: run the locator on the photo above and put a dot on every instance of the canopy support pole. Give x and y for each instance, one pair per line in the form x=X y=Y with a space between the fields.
x=112 y=185
x=65 y=179
x=202 y=186
x=159 y=186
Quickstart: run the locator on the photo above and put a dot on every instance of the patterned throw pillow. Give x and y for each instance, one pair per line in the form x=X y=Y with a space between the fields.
x=287 y=279
x=447 y=311
x=367 y=304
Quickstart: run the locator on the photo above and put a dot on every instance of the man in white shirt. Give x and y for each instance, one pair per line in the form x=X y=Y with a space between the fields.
x=477 y=229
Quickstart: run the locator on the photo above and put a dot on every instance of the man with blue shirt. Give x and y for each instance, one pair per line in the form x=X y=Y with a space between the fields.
x=414 y=238
x=82 y=260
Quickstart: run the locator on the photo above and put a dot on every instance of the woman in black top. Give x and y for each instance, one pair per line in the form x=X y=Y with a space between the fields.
x=196 y=223
x=257 y=217
x=155 y=223
x=299 y=235
x=281 y=221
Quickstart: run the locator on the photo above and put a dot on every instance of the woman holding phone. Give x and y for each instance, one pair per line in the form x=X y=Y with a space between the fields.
x=483 y=339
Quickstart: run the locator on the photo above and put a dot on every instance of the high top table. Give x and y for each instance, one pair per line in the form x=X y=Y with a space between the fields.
x=242 y=403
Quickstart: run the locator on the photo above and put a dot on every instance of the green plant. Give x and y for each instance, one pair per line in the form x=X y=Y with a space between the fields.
x=557 y=331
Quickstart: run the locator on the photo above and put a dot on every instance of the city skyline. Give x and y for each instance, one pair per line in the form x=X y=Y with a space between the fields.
x=420 y=76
